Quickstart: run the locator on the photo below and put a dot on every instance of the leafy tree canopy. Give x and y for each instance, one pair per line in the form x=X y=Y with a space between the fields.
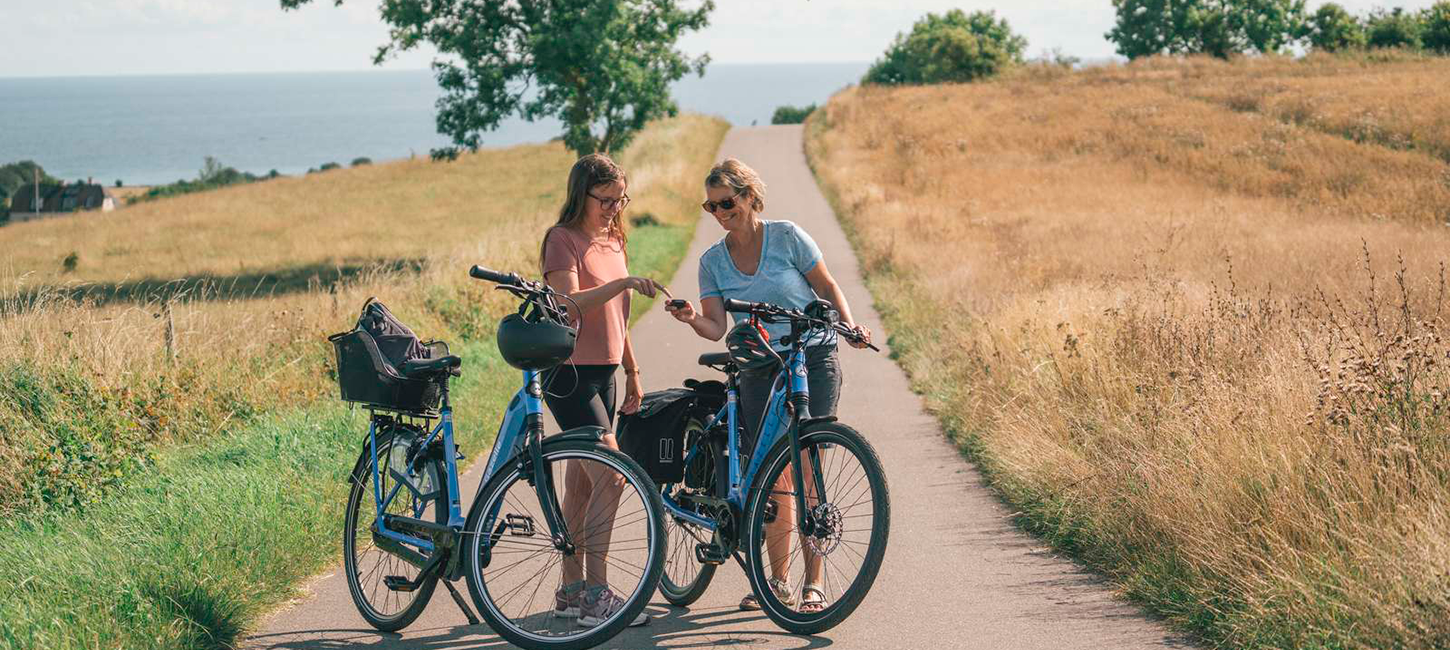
x=1393 y=28
x=1218 y=27
x=1435 y=27
x=952 y=47
x=1332 y=29
x=603 y=67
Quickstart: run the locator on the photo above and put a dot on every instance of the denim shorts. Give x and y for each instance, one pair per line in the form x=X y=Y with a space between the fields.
x=823 y=378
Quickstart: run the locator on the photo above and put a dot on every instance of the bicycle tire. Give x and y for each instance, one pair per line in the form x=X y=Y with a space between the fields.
x=842 y=601
x=483 y=525
x=680 y=560
x=362 y=491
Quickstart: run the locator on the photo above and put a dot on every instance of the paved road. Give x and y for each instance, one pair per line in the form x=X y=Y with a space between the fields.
x=957 y=574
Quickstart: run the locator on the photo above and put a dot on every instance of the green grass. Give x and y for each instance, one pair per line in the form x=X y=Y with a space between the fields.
x=193 y=552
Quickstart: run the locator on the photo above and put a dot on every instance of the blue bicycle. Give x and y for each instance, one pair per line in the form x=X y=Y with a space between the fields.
x=548 y=565
x=811 y=554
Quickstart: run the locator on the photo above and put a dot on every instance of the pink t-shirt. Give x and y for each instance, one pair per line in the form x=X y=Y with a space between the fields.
x=601 y=332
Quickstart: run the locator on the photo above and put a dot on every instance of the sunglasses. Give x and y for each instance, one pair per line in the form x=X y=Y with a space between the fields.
x=725 y=204
x=608 y=204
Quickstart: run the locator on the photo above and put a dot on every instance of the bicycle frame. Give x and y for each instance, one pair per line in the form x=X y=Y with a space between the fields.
x=777 y=421
x=524 y=416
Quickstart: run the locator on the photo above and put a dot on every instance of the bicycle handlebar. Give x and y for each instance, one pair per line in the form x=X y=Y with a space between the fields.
x=538 y=293
x=741 y=306
x=494 y=276
x=773 y=313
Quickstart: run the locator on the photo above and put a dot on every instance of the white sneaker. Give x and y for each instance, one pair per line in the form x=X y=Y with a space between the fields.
x=595 y=609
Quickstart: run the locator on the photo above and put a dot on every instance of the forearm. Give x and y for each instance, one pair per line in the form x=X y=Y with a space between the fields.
x=838 y=300
x=587 y=300
x=708 y=328
x=630 y=364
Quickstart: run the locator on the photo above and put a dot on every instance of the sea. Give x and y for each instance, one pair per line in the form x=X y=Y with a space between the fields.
x=145 y=130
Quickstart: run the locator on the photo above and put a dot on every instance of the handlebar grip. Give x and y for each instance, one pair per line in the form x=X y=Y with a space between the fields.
x=740 y=306
x=493 y=276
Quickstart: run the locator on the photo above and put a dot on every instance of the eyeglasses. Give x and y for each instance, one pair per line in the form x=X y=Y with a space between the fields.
x=726 y=204
x=608 y=204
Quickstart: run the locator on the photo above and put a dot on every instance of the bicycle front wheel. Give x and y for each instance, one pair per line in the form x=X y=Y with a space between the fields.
x=809 y=581
x=536 y=595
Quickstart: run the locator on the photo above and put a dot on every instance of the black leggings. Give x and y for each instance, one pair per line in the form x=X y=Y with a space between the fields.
x=587 y=401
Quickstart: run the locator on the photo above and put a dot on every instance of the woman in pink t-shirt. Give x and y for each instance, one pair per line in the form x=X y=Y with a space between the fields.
x=583 y=256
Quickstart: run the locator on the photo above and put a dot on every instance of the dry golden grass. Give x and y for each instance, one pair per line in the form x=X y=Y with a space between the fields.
x=256 y=277
x=1199 y=347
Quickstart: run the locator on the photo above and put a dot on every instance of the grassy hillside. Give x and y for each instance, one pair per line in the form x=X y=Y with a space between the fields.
x=154 y=501
x=1190 y=323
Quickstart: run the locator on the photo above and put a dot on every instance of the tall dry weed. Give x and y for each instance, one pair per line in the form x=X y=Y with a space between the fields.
x=1201 y=347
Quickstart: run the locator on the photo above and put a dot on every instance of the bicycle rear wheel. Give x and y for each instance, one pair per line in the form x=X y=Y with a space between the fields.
x=416 y=494
x=685 y=578
x=840 y=559
x=528 y=590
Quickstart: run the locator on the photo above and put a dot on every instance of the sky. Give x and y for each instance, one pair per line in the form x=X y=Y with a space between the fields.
x=45 y=38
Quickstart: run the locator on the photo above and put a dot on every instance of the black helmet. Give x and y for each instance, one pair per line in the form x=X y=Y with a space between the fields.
x=749 y=346
x=534 y=344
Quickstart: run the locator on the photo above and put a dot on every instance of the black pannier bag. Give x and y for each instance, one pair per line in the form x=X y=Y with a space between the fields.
x=368 y=358
x=654 y=436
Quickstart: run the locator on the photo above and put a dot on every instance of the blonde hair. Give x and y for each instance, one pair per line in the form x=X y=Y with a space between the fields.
x=735 y=174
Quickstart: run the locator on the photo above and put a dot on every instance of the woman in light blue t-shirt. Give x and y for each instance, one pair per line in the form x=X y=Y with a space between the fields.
x=778 y=263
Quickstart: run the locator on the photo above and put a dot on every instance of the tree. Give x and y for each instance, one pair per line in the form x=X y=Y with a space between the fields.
x=791 y=114
x=952 y=47
x=1396 y=28
x=1333 y=29
x=1218 y=27
x=1435 y=27
x=603 y=67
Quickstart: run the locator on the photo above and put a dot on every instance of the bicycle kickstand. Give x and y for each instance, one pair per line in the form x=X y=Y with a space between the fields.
x=453 y=591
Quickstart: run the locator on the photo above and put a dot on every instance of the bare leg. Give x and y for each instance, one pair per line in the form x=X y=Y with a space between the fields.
x=777 y=533
x=578 y=488
x=608 y=485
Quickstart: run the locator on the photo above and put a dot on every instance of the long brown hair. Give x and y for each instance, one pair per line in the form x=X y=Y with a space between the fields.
x=588 y=172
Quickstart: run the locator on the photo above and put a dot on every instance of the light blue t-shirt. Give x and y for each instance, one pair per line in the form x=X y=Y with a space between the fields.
x=788 y=253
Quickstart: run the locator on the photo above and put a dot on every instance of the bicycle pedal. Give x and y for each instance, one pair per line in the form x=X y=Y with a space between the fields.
x=520 y=525
x=710 y=554
x=399 y=583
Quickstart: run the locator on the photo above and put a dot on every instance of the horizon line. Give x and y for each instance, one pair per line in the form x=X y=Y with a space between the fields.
x=5 y=77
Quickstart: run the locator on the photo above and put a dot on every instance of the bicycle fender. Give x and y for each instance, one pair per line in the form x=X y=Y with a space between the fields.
x=820 y=420
x=361 y=465
x=587 y=433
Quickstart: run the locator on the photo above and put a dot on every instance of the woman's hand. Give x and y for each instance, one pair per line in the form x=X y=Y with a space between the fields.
x=685 y=313
x=633 y=392
x=865 y=338
x=645 y=286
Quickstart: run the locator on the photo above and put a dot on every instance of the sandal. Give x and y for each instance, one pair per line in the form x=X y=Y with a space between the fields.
x=810 y=604
x=782 y=593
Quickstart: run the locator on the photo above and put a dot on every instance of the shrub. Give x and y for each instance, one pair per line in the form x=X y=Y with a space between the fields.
x=118 y=182
x=791 y=114
x=1394 y=28
x=362 y=160
x=1333 y=29
x=952 y=47
x=329 y=166
x=1435 y=27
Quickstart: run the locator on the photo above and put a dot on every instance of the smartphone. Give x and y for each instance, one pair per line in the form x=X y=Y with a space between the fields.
x=677 y=303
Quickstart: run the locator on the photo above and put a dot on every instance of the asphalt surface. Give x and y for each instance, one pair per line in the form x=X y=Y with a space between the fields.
x=957 y=574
